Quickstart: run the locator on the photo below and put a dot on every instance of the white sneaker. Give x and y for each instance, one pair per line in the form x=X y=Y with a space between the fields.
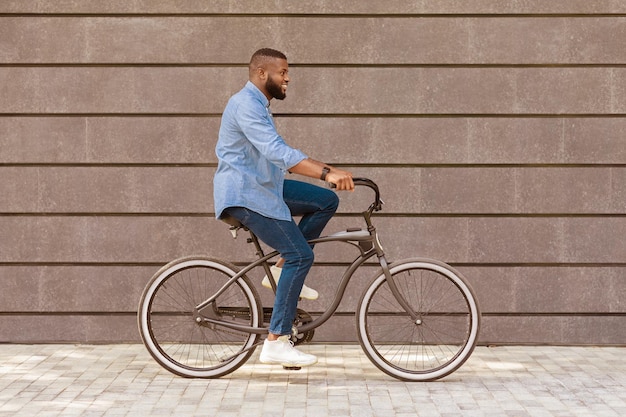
x=282 y=352
x=308 y=293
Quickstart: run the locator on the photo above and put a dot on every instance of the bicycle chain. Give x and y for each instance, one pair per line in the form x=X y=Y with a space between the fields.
x=302 y=317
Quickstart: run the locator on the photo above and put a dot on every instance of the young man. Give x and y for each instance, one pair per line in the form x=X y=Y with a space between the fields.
x=250 y=186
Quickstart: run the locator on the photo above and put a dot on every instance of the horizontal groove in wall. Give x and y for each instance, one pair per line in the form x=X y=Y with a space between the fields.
x=109 y=165
x=353 y=214
x=318 y=15
x=83 y=264
x=346 y=115
x=455 y=115
x=457 y=65
x=553 y=314
x=306 y=65
x=539 y=265
x=68 y=313
x=314 y=313
x=43 y=115
x=374 y=263
x=338 y=164
x=329 y=264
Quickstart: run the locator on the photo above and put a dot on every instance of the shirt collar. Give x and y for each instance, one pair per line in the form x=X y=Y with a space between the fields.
x=257 y=93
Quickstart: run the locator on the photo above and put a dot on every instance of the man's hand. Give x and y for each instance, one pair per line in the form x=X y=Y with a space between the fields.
x=342 y=179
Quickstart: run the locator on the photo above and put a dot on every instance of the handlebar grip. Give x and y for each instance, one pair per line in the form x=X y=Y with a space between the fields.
x=359 y=181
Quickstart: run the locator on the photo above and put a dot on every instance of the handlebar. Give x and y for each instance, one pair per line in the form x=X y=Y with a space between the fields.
x=377 y=205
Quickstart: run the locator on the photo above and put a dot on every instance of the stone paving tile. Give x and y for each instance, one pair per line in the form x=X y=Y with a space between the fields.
x=123 y=380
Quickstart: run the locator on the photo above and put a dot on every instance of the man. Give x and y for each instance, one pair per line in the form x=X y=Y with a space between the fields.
x=250 y=186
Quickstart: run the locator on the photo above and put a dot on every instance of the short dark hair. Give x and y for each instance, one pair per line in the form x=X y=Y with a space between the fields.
x=269 y=53
x=262 y=55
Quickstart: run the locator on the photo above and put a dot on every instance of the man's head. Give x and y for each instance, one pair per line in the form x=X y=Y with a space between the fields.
x=269 y=71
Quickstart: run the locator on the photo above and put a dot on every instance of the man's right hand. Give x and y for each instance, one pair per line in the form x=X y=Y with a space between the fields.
x=342 y=179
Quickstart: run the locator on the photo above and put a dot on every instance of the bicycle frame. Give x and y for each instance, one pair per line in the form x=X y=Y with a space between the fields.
x=366 y=241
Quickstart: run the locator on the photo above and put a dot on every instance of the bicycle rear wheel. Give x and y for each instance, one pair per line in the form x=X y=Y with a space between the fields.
x=173 y=330
x=438 y=341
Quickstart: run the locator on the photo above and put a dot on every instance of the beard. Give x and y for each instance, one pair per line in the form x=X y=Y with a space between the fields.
x=274 y=89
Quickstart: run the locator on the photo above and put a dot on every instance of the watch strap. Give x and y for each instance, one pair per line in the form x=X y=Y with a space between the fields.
x=325 y=172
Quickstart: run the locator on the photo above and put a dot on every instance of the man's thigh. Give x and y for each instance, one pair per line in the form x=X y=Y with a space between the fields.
x=284 y=236
x=304 y=198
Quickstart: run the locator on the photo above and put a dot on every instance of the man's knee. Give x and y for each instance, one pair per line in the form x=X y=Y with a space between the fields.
x=300 y=254
x=307 y=256
x=332 y=201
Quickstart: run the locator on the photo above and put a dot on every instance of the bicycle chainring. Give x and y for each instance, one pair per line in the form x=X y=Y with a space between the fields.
x=302 y=317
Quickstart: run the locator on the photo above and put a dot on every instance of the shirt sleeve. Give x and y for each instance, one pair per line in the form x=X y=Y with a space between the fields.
x=257 y=125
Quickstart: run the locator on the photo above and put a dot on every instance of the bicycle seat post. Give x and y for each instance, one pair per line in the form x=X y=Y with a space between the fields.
x=260 y=254
x=257 y=244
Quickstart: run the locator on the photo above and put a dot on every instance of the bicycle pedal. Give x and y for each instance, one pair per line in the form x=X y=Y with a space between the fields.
x=292 y=368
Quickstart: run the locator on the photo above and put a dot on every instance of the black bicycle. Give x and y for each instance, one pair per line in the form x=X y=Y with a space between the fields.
x=418 y=320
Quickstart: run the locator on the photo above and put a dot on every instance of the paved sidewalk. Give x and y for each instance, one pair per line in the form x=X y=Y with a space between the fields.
x=123 y=380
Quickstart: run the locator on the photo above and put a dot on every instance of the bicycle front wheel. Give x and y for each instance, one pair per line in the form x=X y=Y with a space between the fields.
x=432 y=342
x=173 y=328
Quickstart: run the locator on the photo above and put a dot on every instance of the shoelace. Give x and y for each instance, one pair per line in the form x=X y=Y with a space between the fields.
x=293 y=348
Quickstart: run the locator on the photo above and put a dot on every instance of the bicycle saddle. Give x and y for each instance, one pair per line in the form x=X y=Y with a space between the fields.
x=231 y=221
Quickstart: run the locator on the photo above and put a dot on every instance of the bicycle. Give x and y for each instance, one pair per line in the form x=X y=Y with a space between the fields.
x=418 y=320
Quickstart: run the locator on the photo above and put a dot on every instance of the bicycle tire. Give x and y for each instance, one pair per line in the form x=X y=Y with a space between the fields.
x=439 y=341
x=172 y=329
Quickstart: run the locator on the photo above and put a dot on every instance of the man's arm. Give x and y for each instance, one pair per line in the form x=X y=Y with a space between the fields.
x=314 y=169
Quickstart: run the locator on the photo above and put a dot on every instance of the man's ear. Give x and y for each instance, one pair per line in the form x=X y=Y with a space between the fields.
x=261 y=73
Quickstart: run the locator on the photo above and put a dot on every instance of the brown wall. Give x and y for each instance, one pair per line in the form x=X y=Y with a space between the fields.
x=495 y=130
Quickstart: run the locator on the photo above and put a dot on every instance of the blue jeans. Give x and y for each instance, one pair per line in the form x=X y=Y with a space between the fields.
x=317 y=206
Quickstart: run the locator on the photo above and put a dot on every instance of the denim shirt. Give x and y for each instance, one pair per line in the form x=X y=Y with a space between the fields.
x=252 y=157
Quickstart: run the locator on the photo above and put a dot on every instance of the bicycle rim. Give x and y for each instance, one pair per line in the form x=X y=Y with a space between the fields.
x=435 y=344
x=167 y=318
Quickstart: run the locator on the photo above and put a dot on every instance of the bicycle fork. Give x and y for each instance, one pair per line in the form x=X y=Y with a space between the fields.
x=396 y=292
x=380 y=253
